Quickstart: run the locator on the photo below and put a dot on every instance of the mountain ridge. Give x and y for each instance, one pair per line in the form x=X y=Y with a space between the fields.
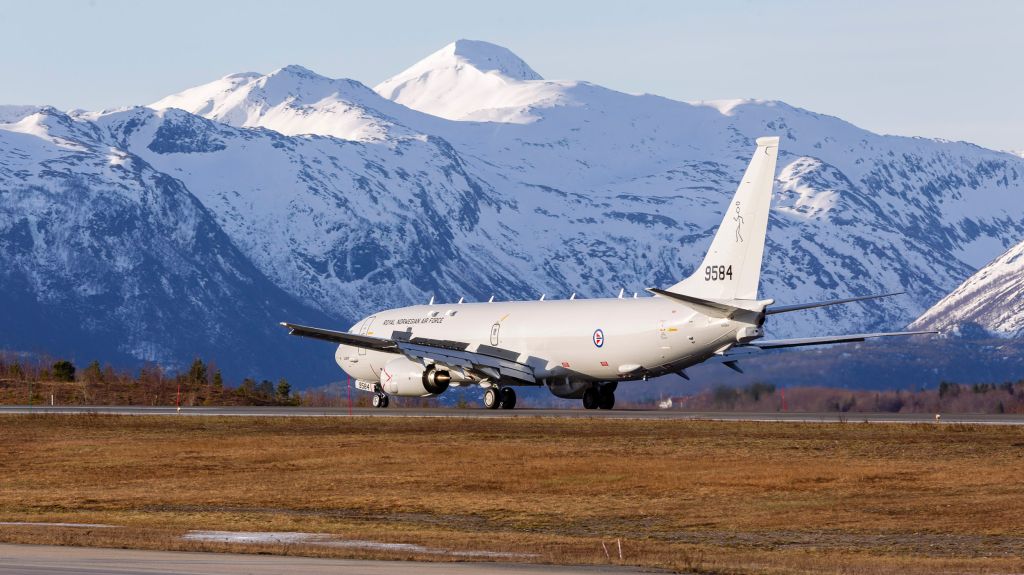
x=990 y=301
x=106 y=258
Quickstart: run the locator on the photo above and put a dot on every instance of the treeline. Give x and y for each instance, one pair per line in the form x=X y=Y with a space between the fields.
x=37 y=382
x=947 y=397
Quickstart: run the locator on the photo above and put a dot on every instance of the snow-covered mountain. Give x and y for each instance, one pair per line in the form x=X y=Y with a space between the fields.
x=992 y=299
x=294 y=100
x=104 y=257
x=579 y=188
x=469 y=175
x=470 y=80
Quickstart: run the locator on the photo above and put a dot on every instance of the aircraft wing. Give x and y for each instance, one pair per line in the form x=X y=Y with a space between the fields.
x=494 y=362
x=343 y=337
x=824 y=340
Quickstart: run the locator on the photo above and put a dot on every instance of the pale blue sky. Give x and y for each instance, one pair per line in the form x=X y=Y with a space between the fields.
x=924 y=68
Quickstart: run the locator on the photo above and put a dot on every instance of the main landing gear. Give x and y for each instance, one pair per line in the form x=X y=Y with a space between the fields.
x=380 y=400
x=602 y=397
x=504 y=398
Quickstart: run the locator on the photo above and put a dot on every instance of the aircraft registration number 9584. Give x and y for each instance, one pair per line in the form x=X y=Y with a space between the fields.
x=717 y=273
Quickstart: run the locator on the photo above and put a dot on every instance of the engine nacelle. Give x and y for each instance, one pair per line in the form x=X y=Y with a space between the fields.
x=567 y=388
x=406 y=378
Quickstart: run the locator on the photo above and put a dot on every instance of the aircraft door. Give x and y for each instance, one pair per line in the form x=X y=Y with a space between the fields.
x=365 y=327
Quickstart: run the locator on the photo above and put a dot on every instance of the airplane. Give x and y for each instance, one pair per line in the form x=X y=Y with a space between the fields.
x=583 y=348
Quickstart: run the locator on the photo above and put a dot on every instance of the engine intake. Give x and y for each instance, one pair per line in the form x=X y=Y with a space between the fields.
x=436 y=381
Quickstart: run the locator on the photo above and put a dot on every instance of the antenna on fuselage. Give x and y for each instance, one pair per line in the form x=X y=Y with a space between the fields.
x=634 y=295
x=491 y=300
x=622 y=292
x=542 y=296
x=573 y=296
x=462 y=298
x=431 y=302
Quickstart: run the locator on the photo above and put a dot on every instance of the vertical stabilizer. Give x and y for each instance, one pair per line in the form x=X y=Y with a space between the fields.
x=732 y=267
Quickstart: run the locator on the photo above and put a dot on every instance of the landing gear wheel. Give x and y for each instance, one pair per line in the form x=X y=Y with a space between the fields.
x=387 y=400
x=378 y=400
x=607 y=399
x=508 y=397
x=591 y=398
x=491 y=399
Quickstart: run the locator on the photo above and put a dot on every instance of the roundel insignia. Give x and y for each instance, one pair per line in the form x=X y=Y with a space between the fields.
x=599 y=338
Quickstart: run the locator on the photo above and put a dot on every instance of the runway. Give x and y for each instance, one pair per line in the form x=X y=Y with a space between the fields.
x=660 y=414
x=51 y=560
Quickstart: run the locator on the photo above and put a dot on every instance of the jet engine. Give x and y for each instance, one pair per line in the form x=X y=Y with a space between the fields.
x=403 y=377
x=567 y=388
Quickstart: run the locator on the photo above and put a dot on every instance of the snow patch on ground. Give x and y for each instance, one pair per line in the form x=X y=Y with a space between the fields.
x=725 y=107
x=327 y=540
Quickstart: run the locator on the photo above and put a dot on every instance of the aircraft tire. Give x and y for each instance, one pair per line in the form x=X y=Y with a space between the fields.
x=508 y=398
x=591 y=398
x=491 y=398
x=607 y=399
x=377 y=401
x=386 y=400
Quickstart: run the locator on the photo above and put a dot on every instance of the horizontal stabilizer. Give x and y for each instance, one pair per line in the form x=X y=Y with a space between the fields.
x=714 y=308
x=824 y=340
x=800 y=306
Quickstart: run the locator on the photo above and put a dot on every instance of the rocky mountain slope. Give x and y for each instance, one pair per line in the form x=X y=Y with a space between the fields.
x=989 y=302
x=468 y=175
x=104 y=257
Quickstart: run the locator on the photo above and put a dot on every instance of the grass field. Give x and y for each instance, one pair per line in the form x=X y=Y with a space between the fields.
x=706 y=497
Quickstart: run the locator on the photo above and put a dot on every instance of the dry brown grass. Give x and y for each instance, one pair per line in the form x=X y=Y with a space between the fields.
x=711 y=497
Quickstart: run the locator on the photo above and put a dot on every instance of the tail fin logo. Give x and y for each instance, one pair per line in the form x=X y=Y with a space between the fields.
x=739 y=224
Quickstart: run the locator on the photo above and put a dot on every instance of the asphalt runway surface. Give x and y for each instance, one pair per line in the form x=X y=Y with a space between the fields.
x=652 y=414
x=50 y=560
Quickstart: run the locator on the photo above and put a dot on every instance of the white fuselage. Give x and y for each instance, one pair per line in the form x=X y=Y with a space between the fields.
x=566 y=340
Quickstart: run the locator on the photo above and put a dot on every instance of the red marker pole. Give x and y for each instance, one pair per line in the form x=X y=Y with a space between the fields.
x=349 y=388
x=177 y=398
x=783 y=399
